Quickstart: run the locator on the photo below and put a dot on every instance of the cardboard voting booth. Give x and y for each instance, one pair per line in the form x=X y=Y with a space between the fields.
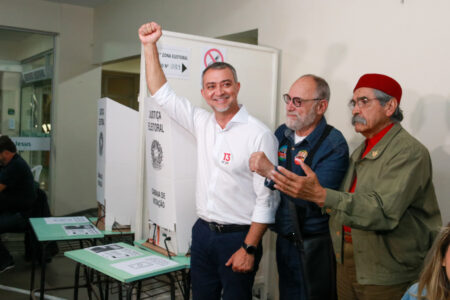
x=170 y=151
x=170 y=180
x=117 y=162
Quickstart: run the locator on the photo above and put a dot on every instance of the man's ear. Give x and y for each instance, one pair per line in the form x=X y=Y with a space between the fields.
x=322 y=107
x=391 y=106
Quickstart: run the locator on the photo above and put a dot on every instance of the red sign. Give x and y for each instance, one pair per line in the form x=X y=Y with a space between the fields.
x=211 y=56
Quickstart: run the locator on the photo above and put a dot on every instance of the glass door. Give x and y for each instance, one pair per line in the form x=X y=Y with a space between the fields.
x=26 y=92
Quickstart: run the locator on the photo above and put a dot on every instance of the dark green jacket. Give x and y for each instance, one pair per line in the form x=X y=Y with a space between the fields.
x=394 y=214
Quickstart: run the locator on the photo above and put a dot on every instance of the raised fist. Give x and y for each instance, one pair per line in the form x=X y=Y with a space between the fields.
x=149 y=33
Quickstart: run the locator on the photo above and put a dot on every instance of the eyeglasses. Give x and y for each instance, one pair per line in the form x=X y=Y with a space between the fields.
x=361 y=102
x=297 y=101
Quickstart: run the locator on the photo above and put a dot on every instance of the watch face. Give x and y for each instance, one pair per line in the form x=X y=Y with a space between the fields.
x=249 y=248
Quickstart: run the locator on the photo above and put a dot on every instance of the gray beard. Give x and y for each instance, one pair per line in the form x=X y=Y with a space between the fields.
x=300 y=122
x=221 y=110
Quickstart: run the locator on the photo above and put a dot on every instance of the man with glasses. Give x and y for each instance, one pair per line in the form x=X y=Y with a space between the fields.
x=384 y=219
x=305 y=258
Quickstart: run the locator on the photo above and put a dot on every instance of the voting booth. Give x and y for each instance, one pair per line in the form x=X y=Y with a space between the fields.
x=117 y=163
x=169 y=180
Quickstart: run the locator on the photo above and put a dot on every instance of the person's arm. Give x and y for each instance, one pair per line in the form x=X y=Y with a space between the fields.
x=149 y=34
x=241 y=261
x=178 y=108
x=260 y=164
x=380 y=207
x=264 y=212
x=2 y=187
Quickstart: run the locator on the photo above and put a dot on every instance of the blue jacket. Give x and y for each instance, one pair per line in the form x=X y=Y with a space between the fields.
x=330 y=164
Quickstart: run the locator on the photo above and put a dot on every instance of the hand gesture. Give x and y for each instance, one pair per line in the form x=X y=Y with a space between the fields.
x=150 y=33
x=260 y=164
x=302 y=187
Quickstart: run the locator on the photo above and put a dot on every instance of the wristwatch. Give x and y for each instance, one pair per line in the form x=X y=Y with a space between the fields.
x=250 y=249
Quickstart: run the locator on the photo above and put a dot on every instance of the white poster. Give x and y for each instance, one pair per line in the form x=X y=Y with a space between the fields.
x=144 y=264
x=174 y=61
x=114 y=251
x=85 y=229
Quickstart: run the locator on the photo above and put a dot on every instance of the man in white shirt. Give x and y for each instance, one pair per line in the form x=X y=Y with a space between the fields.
x=232 y=203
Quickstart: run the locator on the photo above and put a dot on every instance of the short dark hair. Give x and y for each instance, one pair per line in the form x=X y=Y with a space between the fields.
x=219 y=65
x=322 y=87
x=384 y=98
x=7 y=144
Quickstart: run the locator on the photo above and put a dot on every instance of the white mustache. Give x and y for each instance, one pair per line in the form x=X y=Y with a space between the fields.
x=293 y=114
x=358 y=119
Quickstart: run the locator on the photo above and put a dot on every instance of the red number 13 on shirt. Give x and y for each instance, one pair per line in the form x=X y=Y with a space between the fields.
x=227 y=156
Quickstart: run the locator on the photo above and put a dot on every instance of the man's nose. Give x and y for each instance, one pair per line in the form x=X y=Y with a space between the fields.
x=290 y=106
x=219 y=89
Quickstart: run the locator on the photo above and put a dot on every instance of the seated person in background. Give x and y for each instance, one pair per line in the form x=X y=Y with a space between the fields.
x=434 y=280
x=17 y=194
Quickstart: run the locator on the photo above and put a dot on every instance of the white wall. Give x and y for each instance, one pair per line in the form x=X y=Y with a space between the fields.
x=74 y=100
x=339 y=40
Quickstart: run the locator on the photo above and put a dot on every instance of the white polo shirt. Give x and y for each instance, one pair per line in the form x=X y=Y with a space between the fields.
x=227 y=192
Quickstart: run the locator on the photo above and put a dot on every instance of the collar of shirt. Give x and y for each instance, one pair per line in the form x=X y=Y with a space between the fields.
x=240 y=117
x=370 y=143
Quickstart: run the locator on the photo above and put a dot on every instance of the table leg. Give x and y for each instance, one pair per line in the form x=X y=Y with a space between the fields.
x=130 y=287
x=186 y=277
x=172 y=286
x=88 y=282
x=43 y=265
x=100 y=287
x=33 y=268
x=77 y=281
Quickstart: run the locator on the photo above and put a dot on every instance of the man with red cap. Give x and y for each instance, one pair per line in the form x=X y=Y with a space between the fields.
x=385 y=216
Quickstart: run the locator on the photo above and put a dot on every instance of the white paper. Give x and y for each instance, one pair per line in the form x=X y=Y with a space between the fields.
x=66 y=220
x=85 y=229
x=114 y=251
x=144 y=265
x=174 y=61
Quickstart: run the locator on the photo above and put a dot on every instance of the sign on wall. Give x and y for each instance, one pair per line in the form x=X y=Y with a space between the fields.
x=32 y=143
x=175 y=61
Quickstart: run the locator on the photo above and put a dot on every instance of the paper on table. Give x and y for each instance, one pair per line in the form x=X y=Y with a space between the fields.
x=85 y=229
x=144 y=264
x=114 y=251
x=66 y=220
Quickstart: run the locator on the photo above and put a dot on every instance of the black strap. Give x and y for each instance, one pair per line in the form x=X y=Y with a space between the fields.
x=297 y=213
x=300 y=211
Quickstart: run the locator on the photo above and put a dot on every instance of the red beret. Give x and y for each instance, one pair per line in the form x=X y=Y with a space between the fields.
x=380 y=82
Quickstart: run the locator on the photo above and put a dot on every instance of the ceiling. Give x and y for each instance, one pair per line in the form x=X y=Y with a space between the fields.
x=87 y=3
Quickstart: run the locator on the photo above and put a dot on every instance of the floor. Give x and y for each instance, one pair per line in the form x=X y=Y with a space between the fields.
x=15 y=283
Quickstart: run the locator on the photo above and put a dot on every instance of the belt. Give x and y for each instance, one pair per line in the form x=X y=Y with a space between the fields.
x=225 y=228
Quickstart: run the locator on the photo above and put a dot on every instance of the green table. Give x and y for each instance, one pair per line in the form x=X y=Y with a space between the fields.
x=46 y=233
x=105 y=266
